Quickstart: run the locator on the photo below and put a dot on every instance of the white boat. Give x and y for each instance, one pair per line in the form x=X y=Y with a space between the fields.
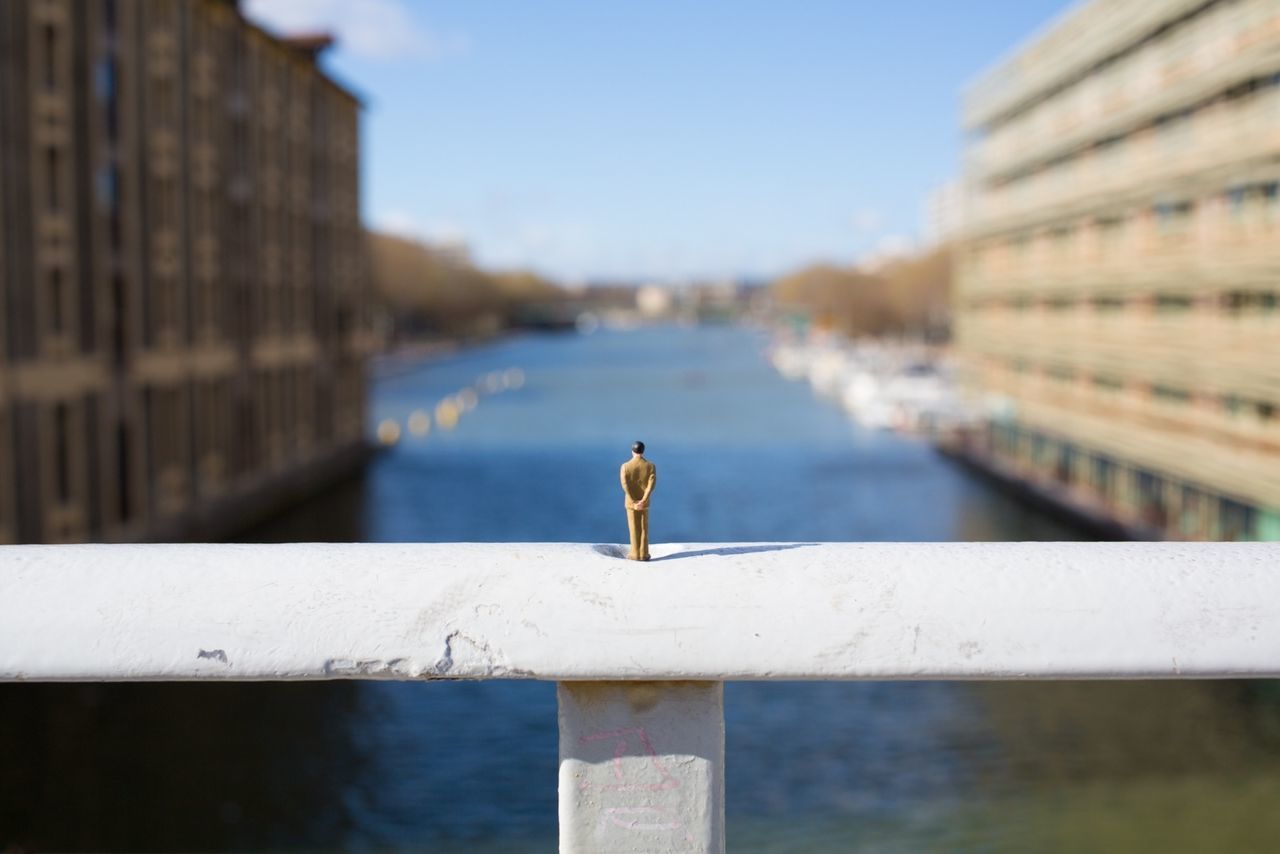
x=790 y=360
x=828 y=371
x=881 y=385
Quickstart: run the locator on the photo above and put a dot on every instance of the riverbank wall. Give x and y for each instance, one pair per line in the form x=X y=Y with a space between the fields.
x=226 y=516
x=1056 y=499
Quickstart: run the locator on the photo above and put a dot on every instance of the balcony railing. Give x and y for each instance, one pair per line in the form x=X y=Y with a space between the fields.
x=641 y=649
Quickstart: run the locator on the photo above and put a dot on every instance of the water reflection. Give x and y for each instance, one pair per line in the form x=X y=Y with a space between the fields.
x=1155 y=766
x=1084 y=766
x=338 y=516
x=178 y=766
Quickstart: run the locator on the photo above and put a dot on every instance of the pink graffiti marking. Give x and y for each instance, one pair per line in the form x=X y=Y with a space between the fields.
x=666 y=779
x=628 y=818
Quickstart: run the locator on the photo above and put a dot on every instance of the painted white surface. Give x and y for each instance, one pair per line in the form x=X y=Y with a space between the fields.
x=641 y=767
x=573 y=612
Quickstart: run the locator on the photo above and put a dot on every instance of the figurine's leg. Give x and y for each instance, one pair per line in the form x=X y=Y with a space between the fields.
x=632 y=524
x=642 y=523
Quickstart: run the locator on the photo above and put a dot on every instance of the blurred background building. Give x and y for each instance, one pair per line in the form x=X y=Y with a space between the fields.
x=182 y=273
x=1116 y=306
x=943 y=213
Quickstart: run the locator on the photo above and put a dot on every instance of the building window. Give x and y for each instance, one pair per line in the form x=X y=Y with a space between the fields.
x=1238 y=521
x=1170 y=394
x=117 y=319
x=106 y=85
x=1236 y=203
x=108 y=183
x=1063 y=238
x=104 y=80
x=1108 y=384
x=1173 y=218
x=161 y=100
x=51 y=165
x=62 y=462
x=1173 y=303
x=1065 y=463
x=1104 y=478
x=1150 y=497
x=56 y=314
x=166 y=209
x=1238 y=303
x=124 y=472
x=50 y=57
x=1175 y=129
x=1110 y=232
x=1254 y=203
x=1236 y=406
x=161 y=13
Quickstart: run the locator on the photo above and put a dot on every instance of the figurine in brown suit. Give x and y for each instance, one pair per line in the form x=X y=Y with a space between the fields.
x=638 y=476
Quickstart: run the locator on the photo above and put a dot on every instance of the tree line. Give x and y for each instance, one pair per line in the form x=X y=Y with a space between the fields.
x=437 y=291
x=906 y=296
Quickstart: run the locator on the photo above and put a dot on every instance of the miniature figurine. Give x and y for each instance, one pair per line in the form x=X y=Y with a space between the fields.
x=638 y=476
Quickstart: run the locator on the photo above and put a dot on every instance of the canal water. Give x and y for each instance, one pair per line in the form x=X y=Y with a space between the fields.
x=742 y=455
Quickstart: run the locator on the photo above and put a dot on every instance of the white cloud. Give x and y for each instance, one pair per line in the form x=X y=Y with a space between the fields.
x=373 y=29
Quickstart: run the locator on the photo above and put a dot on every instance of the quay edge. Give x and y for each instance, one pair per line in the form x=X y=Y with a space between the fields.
x=1053 y=500
x=229 y=515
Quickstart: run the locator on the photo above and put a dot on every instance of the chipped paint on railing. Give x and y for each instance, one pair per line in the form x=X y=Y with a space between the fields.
x=697 y=611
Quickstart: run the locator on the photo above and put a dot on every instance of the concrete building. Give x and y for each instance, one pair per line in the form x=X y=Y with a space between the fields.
x=1116 y=307
x=182 y=274
x=943 y=213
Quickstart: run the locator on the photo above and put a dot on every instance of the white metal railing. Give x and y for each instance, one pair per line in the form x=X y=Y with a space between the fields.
x=641 y=649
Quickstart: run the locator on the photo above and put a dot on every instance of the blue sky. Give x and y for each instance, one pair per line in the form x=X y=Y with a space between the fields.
x=659 y=139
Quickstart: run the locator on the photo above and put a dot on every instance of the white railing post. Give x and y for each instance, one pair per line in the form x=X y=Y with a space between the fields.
x=641 y=766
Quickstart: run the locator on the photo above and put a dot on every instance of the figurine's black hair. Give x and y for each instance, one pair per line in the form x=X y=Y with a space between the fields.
x=638 y=448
